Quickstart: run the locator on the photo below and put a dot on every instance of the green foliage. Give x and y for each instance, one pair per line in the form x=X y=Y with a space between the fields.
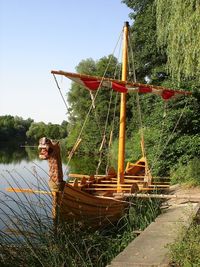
x=188 y=174
x=185 y=251
x=13 y=129
x=178 y=30
x=83 y=165
x=53 y=131
x=143 y=40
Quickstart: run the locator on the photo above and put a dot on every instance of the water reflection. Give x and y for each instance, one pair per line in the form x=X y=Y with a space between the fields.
x=21 y=156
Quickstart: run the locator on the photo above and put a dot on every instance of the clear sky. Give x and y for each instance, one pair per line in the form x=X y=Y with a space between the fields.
x=37 y=36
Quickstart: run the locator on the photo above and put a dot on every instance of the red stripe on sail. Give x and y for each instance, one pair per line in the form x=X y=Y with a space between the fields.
x=91 y=84
x=167 y=94
x=119 y=88
x=144 y=90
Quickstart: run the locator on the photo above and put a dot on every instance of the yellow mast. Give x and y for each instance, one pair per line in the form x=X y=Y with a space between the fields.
x=122 y=126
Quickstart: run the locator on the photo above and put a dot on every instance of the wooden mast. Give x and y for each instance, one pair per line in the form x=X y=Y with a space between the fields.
x=122 y=126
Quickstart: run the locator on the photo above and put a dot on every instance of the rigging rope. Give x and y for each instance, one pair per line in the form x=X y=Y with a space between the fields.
x=60 y=92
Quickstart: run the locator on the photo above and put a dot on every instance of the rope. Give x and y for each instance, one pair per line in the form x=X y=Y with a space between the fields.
x=60 y=91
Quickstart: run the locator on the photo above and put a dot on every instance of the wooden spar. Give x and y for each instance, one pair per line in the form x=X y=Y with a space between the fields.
x=71 y=75
x=122 y=127
x=159 y=196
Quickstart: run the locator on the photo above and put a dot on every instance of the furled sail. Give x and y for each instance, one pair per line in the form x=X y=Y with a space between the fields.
x=94 y=83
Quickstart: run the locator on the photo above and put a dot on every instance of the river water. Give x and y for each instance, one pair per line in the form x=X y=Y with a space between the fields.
x=21 y=169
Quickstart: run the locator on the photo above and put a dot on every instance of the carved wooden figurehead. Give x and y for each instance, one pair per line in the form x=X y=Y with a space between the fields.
x=50 y=150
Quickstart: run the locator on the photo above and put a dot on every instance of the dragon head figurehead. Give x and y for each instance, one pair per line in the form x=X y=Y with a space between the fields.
x=48 y=148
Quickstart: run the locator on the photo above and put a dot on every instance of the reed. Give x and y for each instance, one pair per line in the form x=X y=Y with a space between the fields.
x=28 y=236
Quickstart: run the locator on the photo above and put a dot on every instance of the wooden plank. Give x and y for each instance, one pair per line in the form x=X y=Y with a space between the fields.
x=79 y=207
x=110 y=185
x=85 y=197
x=103 y=189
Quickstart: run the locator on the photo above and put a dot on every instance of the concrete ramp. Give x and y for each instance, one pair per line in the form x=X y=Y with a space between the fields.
x=150 y=248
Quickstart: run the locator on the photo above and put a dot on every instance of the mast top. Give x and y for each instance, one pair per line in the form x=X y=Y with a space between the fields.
x=126 y=24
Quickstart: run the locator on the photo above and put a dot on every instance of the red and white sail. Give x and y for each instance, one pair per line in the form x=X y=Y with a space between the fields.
x=93 y=83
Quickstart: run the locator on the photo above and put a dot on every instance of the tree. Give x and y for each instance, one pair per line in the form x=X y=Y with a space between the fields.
x=53 y=131
x=149 y=61
x=36 y=131
x=13 y=129
x=178 y=31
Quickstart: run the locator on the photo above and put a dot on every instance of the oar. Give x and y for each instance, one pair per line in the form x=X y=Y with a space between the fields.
x=30 y=191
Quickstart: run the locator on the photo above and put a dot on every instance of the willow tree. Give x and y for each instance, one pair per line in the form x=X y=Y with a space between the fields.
x=178 y=31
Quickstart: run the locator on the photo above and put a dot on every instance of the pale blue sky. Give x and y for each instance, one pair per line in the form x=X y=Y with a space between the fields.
x=39 y=35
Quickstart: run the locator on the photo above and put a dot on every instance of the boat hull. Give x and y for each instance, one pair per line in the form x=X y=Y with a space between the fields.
x=79 y=206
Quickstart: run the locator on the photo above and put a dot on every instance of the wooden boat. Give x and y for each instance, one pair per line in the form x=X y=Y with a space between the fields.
x=94 y=198
x=98 y=199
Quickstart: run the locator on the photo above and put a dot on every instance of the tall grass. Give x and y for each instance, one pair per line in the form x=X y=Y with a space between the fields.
x=28 y=236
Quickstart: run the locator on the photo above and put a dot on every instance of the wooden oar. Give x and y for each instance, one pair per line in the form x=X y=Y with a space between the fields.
x=30 y=191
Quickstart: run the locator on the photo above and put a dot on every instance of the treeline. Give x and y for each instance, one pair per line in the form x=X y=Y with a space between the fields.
x=171 y=128
x=16 y=130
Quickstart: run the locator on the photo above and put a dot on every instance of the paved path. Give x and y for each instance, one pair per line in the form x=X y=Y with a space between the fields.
x=150 y=247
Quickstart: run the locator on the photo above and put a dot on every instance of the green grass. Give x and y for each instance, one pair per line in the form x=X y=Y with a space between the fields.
x=185 y=252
